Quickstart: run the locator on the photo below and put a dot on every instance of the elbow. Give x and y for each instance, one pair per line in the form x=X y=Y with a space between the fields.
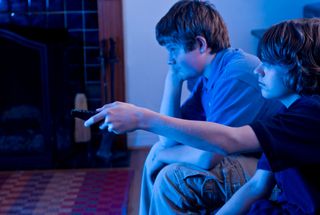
x=235 y=142
x=223 y=146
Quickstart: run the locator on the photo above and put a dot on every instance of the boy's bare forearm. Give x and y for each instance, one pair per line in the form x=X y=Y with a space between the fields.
x=258 y=187
x=207 y=136
x=200 y=158
x=170 y=104
x=122 y=117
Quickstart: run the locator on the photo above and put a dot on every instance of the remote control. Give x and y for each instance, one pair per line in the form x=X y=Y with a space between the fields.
x=82 y=114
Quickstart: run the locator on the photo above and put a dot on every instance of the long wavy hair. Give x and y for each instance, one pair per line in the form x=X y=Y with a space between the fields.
x=295 y=44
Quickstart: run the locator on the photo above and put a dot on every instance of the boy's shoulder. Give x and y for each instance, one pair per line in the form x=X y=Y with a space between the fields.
x=235 y=55
x=311 y=102
x=237 y=64
x=237 y=58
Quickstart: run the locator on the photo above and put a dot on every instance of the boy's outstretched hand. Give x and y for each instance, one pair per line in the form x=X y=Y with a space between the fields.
x=119 y=117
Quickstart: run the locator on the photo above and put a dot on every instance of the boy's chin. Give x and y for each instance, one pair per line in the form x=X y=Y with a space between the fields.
x=266 y=95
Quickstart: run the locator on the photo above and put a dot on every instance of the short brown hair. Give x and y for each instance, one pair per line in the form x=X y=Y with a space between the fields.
x=188 y=19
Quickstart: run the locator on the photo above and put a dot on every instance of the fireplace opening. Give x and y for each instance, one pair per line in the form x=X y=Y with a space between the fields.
x=36 y=95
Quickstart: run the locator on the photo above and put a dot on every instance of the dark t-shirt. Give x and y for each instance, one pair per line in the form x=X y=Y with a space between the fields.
x=291 y=144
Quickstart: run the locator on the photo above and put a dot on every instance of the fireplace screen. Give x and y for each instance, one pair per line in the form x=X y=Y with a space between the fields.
x=22 y=89
x=35 y=95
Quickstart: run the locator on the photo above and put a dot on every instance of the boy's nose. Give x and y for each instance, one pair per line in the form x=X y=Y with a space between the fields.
x=259 y=70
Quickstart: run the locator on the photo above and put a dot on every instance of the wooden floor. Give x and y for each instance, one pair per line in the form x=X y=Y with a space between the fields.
x=137 y=159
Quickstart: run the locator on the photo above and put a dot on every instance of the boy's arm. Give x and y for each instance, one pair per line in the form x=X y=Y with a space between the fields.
x=186 y=154
x=258 y=187
x=122 y=117
x=170 y=104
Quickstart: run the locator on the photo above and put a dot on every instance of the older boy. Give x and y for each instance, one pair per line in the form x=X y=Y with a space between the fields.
x=227 y=92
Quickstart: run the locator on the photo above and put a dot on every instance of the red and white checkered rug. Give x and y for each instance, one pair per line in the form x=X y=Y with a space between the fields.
x=89 y=191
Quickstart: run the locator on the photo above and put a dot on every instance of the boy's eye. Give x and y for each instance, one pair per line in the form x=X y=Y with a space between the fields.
x=267 y=65
x=172 y=49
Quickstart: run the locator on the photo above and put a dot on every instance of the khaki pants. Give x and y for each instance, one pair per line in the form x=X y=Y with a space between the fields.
x=186 y=189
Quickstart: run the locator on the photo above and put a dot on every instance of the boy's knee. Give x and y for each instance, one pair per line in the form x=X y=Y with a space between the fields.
x=167 y=173
x=168 y=178
x=175 y=174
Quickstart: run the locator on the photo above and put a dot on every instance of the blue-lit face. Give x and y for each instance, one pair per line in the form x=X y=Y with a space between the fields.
x=271 y=81
x=188 y=64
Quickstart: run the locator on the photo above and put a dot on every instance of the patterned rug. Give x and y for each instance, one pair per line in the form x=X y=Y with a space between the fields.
x=89 y=191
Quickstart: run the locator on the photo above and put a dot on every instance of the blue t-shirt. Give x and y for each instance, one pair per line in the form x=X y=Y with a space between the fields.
x=230 y=95
x=291 y=144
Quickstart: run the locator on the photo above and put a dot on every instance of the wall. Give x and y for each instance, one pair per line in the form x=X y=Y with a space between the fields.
x=146 y=60
x=245 y=15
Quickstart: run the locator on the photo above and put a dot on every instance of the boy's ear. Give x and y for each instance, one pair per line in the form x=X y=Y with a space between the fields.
x=202 y=43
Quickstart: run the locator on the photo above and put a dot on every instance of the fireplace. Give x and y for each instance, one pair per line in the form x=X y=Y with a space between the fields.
x=36 y=93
